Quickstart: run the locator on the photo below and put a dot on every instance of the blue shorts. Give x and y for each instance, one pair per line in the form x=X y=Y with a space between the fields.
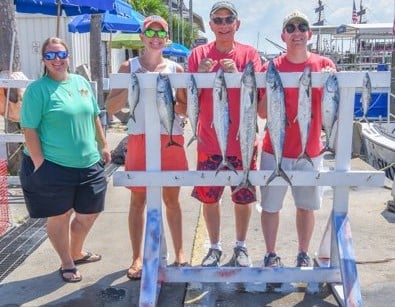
x=212 y=194
x=54 y=189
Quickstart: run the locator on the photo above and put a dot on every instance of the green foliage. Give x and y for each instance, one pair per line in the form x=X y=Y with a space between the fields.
x=159 y=7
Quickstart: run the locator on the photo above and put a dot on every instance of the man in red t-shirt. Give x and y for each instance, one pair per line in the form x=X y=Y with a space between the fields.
x=232 y=56
x=296 y=33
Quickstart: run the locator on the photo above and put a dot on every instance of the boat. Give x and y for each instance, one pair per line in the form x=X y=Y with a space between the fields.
x=379 y=144
x=358 y=47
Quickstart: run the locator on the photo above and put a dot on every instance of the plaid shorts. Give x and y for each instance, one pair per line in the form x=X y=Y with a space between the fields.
x=212 y=194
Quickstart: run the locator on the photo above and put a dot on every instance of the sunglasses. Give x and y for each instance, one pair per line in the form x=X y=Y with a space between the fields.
x=224 y=20
x=150 y=33
x=302 y=27
x=51 y=55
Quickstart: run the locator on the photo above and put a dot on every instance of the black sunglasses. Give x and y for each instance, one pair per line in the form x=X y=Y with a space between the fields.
x=51 y=55
x=224 y=20
x=150 y=33
x=302 y=27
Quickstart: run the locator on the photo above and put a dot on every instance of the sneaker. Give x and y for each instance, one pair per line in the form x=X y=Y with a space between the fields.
x=240 y=257
x=212 y=258
x=303 y=260
x=272 y=260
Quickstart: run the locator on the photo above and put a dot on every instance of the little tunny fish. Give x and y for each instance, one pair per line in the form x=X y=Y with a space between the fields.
x=304 y=111
x=276 y=119
x=329 y=109
x=134 y=94
x=248 y=122
x=165 y=103
x=221 y=119
x=193 y=107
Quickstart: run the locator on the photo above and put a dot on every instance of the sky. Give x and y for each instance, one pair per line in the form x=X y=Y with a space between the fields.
x=261 y=20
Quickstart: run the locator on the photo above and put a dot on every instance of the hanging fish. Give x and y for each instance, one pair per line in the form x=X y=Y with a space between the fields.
x=276 y=119
x=165 y=102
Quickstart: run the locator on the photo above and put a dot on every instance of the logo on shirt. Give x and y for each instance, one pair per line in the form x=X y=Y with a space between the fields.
x=84 y=92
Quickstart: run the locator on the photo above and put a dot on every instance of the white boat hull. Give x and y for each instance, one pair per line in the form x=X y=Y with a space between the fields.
x=379 y=141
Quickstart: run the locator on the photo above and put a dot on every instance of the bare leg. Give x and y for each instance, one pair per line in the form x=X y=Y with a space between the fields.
x=58 y=234
x=212 y=217
x=242 y=219
x=269 y=223
x=136 y=226
x=79 y=229
x=305 y=221
x=174 y=220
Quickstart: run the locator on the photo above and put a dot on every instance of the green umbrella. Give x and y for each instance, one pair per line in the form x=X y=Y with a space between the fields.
x=129 y=41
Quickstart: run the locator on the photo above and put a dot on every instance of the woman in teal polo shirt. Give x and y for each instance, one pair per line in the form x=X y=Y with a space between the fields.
x=62 y=171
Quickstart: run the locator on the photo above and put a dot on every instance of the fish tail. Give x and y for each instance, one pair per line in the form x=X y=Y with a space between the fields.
x=272 y=176
x=305 y=156
x=279 y=172
x=172 y=142
x=194 y=137
x=227 y=164
x=245 y=184
x=284 y=176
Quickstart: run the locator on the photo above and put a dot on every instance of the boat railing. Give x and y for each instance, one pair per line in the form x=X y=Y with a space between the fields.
x=391 y=108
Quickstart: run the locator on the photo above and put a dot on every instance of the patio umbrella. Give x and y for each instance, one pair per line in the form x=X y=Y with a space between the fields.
x=110 y=23
x=176 y=49
x=69 y=7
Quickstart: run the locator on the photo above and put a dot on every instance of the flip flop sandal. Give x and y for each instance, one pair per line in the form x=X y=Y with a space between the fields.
x=136 y=272
x=72 y=271
x=88 y=258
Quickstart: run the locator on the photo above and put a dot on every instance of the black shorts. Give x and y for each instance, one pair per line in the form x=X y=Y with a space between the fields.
x=54 y=189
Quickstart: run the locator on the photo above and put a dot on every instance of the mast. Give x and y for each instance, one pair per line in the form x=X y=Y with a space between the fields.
x=361 y=13
x=320 y=21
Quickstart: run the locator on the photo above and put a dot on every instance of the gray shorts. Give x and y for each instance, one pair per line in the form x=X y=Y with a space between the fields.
x=54 y=189
x=305 y=197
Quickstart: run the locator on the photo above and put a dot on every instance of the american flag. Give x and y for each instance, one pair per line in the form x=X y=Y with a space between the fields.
x=354 y=13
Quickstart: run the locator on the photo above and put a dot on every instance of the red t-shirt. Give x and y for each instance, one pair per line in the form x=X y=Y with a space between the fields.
x=292 y=143
x=240 y=54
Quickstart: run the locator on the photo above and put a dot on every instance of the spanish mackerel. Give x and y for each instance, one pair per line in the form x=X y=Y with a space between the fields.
x=248 y=123
x=165 y=103
x=193 y=107
x=276 y=119
x=304 y=111
x=221 y=119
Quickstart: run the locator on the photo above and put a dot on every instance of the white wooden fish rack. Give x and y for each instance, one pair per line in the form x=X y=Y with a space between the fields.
x=335 y=256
